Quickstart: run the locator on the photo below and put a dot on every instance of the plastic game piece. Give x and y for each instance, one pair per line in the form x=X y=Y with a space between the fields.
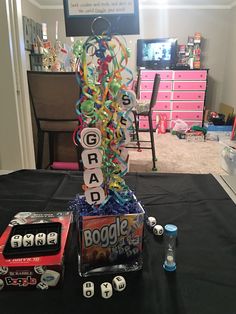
x=92 y=158
x=28 y=239
x=88 y=289
x=1 y=284
x=119 y=283
x=90 y=138
x=93 y=177
x=16 y=241
x=95 y=195
x=40 y=239
x=106 y=290
x=151 y=222
x=158 y=230
x=40 y=269
x=50 y=277
x=3 y=270
x=52 y=238
x=42 y=286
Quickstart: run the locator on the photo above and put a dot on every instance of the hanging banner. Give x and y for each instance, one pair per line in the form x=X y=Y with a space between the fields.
x=121 y=16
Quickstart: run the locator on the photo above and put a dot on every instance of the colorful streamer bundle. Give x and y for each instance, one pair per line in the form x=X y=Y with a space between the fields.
x=105 y=117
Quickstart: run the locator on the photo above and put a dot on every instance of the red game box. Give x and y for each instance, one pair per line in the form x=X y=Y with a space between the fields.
x=40 y=268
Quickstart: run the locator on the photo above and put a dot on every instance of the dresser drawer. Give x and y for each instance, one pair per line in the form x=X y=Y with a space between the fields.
x=162 y=105
x=150 y=75
x=190 y=75
x=145 y=124
x=161 y=95
x=148 y=85
x=188 y=105
x=201 y=85
x=188 y=95
x=195 y=115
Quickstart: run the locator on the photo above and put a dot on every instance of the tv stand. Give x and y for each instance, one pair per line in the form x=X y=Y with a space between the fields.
x=181 y=95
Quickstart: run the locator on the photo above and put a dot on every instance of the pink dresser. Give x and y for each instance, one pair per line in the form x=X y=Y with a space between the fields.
x=181 y=95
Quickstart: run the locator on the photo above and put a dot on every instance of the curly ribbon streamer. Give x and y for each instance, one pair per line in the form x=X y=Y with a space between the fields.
x=100 y=63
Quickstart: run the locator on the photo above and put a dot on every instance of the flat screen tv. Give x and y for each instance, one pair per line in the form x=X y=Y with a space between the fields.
x=156 y=53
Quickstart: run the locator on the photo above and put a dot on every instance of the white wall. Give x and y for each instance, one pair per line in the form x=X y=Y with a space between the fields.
x=229 y=88
x=213 y=24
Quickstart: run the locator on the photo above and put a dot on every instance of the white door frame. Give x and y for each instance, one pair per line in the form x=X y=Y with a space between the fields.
x=22 y=106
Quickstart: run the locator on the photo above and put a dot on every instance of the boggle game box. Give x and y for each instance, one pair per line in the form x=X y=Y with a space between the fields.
x=32 y=250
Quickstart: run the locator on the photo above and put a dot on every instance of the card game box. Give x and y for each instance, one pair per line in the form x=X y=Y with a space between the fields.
x=32 y=250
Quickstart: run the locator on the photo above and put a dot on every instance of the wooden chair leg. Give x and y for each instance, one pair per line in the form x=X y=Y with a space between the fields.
x=136 y=123
x=51 y=136
x=152 y=143
x=39 y=161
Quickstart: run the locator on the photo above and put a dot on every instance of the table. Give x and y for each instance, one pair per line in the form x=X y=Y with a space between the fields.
x=205 y=280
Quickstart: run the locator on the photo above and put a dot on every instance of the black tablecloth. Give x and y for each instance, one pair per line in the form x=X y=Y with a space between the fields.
x=205 y=279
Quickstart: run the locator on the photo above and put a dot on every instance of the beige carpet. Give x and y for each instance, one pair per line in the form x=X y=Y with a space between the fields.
x=178 y=156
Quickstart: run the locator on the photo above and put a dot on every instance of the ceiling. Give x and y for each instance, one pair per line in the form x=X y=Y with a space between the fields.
x=224 y=3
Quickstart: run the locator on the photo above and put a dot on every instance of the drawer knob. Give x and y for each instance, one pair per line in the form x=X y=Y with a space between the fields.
x=166 y=96
x=178 y=96
x=165 y=106
x=200 y=86
x=167 y=86
x=179 y=86
x=177 y=107
x=198 y=107
x=199 y=96
x=197 y=116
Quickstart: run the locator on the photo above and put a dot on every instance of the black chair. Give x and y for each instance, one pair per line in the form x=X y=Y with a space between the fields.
x=144 y=109
x=53 y=97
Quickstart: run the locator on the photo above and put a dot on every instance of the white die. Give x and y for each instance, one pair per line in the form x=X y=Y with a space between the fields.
x=158 y=230
x=151 y=221
x=3 y=270
x=119 y=283
x=40 y=239
x=42 y=286
x=106 y=290
x=50 y=277
x=1 y=284
x=88 y=289
x=28 y=240
x=52 y=238
x=40 y=269
x=16 y=241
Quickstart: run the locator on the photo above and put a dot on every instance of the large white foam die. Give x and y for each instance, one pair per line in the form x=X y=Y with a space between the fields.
x=16 y=241
x=93 y=177
x=90 y=138
x=95 y=195
x=52 y=238
x=92 y=158
x=28 y=239
x=3 y=270
x=42 y=286
x=50 y=277
x=106 y=290
x=127 y=99
x=40 y=239
x=88 y=289
x=119 y=283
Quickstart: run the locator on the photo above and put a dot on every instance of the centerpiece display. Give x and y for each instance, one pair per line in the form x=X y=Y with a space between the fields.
x=109 y=217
